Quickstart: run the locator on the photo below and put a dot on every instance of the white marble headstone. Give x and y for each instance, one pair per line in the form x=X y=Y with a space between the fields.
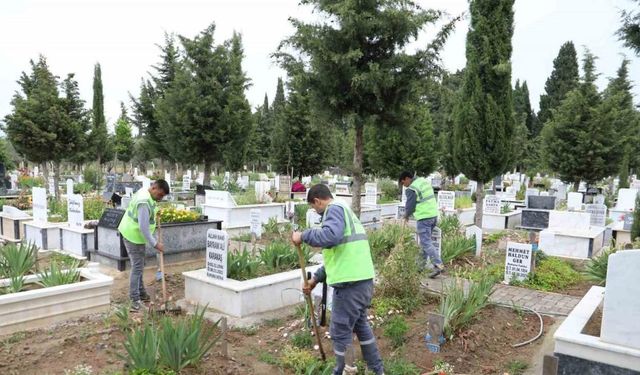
x=216 y=257
x=39 y=198
x=313 y=219
x=626 y=199
x=219 y=198
x=477 y=232
x=491 y=204
x=621 y=303
x=569 y=221
x=446 y=200
x=75 y=211
x=518 y=261
x=69 y=187
x=256 y=222
x=598 y=214
x=371 y=194
x=52 y=186
x=574 y=201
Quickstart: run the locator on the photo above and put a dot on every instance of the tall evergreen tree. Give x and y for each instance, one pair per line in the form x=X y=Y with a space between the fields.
x=278 y=99
x=263 y=134
x=577 y=146
x=123 y=141
x=357 y=66
x=564 y=78
x=484 y=126
x=99 y=132
x=44 y=126
x=629 y=32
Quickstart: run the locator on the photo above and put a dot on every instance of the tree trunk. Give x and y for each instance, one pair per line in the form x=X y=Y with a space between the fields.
x=357 y=168
x=56 y=178
x=207 y=174
x=576 y=185
x=479 y=198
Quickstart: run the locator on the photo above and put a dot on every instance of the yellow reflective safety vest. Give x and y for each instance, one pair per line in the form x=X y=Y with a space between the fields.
x=426 y=205
x=129 y=227
x=351 y=259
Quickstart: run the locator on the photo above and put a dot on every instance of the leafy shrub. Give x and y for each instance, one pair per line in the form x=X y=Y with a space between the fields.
x=281 y=256
x=390 y=191
x=301 y=214
x=596 y=268
x=176 y=215
x=552 y=274
x=463 y=202
x=93 y=208
x=449 y=225
x=396 y=329
x=93 y=177
x=505 y=208
x=297 y=360
x=142 y=348
x=459 y=308
x=400 y=273
x=456 y=246
x=382 y=241
x=242 y=265
x=246 y=198
x=400 y=366
x=520 y=194
x=302 y=340
x=82 y=188
x=56 y=275
x=28 y=182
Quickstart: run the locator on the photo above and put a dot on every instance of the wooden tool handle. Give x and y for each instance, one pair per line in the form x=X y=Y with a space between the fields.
x=164 y=285
x=310 y=302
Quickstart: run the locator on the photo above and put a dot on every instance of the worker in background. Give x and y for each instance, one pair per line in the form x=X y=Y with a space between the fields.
x=422 y=204
x=348 y=268
x=137 y=228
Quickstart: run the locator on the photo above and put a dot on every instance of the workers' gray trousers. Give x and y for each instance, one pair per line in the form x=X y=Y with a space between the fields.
x=136 y=254
x=348 y=316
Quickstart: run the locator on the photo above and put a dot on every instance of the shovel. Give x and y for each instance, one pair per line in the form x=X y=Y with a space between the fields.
x=310 y=302
x=165 y=308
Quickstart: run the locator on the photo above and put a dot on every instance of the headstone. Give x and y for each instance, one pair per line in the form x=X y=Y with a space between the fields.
x=574 y=201
x=436 y=181
x=216 y=259
x=256 y=222
x=75 y=211
x=200 y=179
x=473 y=186
x=582 y=187
x=621 y=305
x=135 y=171
x=342 y=188
x=446 y=200
x=404 y=195
x=14 y=212
x=149 y=173
x=516 y=185
x=569 y=220
x=456 y=180
x=128 y=191
x=36 y=171
x=52 y=186
x=167 y=177
x=227 y=178
x=635 y=184
x=491 y=204
x=435 y=333
x=39 y=198
x=598 y=214
x=628 y=221
x=261 y=188
x=626 y=199
x=541 y=202
x=69 y=186
x=124 y=202
x=474 y=231
x=400 y=212
x=284 y=184
x=146 y=183
x=371 y=193
x=14 y=182
x=544 y=193
x=436 y=239
x=186 y=182
x=561 y=191
x=509 y=193
x=313 y=219
x=598 y=199
x=518 y=261
x=529 y=192
x=111 y=218
x=189 y=173
x=607 y=236
x=219 y=198
x=243 y=182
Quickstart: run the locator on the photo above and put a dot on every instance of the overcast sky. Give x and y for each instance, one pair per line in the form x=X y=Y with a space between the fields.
x=122 y=36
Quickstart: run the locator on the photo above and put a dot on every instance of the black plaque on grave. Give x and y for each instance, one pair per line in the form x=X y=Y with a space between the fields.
x=535 y=219
x=628 y=221
x=201 y=188
x=111 y=218
x=541 y=202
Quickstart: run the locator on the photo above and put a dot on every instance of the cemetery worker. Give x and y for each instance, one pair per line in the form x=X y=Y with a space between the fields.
x=348 y=268
x=137 y=227
x=421 y=203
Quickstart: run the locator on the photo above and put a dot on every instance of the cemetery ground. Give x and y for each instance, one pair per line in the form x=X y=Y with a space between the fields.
x=278 y=345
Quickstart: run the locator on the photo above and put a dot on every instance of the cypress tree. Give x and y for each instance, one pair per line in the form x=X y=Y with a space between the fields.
x=123 y=141
x=564 y=78
x=484 y=125
x=99 y=132
x=629 y=31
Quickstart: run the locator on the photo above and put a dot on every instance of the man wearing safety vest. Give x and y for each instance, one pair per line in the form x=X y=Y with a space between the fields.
x=136 y=228
x=422 y=204
x=348 y=268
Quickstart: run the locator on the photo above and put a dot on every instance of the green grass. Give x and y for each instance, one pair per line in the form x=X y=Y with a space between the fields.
x=395 y=329
x=463 y=202
x=302 y=340
x=268 y=358
x=553 y=274
x=516 y=367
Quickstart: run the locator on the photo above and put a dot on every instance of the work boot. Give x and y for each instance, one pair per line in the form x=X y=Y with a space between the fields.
x=145 y=297
x=136 y=306
x=437 y=271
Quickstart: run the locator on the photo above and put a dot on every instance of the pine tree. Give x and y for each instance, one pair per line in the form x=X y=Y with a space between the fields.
x=261 y=140
x=76 y=150
x=99 y=132
x=564 y=78
x=356 y=64
x=578 y=146
x=484 y=126
x=629 y=32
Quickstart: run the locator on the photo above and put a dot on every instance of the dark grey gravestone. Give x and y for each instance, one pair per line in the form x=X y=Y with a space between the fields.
x=550 y=365
x=535 y=219
x=569 y=365
x=541 y=202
